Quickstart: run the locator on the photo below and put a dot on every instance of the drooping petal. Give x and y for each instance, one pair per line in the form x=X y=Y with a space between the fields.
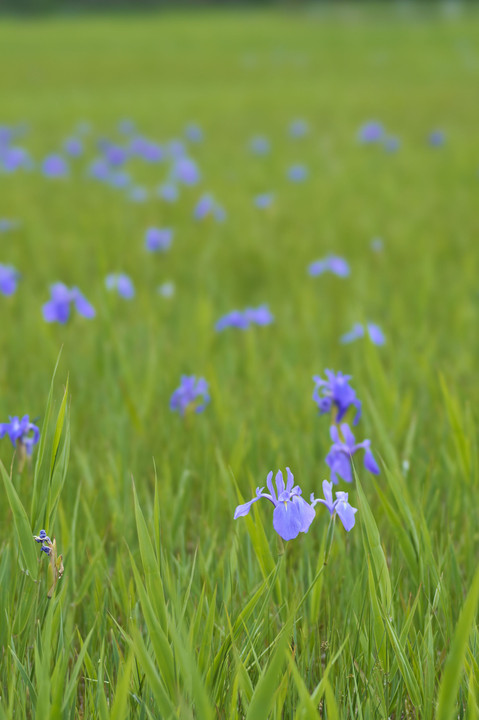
x=306 y=512
x=345 y=511
x=370 y=463
x=376 y=335
x=82 y=305
x=287 y=520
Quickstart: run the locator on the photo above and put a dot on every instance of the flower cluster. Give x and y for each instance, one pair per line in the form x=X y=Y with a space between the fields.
x=242 y=319
x=191 y=394
x=374 y=332
x=57 y=309
x=43 y=538
x=292 y=514
x=333 y=264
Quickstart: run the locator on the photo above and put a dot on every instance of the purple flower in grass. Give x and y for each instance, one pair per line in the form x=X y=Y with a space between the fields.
x=158 y=239
x=437 y=138
x=55 y=166
x=73 y=147
x=8 y=279
x=297 y=173
x=340 y=506
x=242 y=319
x=263 y=201
x=298 y=128
x=260 y=145
x=259 y=316
x=192 y=393
x=374 y=332
x=332 y=263
x=292 y=514
x=186 y=171
x=15 y=158
x=206 y=206
x=57 y=309
x=371 y=132
x=122 y=283
x=99 y=170
x=43 y=538
x=115 y=155
x=336 y=391
x=21 y=432
x=339 y=457
x=168 y=192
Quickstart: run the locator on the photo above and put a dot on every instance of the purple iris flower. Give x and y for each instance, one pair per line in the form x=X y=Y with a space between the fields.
x=16 y=158
x=73 y=146
x=340 y=506
x=21 y=432
x=43 y=538
x=243 y=319
x=55 y=166
x=99 y=170
x=297 y=173
x=57 y=309
x=122 y=283
x=298 y=128
x=168 y=192
x=335 y=390
x=371 y=132
x=339 y=457
x=194 y=133
x=437 y=138
x=206 y=206
x=186 y=171
x=158 y=239
x=260 y=145
x=189 y=393
x=115 y=155
x=265 y=200
x=292 y=514
x=375 y=333
x=8 y=279
x=333 y=264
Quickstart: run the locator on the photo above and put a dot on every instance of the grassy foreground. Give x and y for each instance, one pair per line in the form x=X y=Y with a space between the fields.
x=167 y=607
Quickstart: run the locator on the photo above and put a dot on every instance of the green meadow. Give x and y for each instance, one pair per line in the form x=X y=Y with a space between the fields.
x=169 y=608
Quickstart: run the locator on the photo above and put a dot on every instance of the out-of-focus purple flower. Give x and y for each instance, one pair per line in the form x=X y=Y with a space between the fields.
x=354 y=334
x=375 y=333
x=206 y=206
x=153 y=153
x=292 y=514
x=437 y=138
x=122 y=283
x=166 y=289
x=371 y=132
x=336 y=391
x=333 y=264
x=339 y=457
x=243 y=319
x=55 y=166
x=99 y=170
x=191 y=394
x=8 y=279
x=392 y=144
x=260 y=145
x=57 y=309
x=194 y=133
x=298 y=128
x=6 y=224
x=138 y=194
x=158 y=239
x=340 y=506
x=186 y=171
x=377 y=244
x=119 y=179
x=176 y=148
x=73 y=147
x=115 y=155
x=263 y=201
x=168 y=192
x=43 y=538
x=21 y=432
x=15 y=158
x=297 y=173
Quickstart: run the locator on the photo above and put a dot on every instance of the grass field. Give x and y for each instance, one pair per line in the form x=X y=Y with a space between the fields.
x=169 y=608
